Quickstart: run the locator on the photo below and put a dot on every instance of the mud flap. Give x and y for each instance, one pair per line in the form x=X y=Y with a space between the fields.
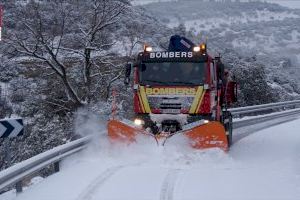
x=209 y=135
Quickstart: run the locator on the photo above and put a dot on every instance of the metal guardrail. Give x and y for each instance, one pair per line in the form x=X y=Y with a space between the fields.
x=263 y=107
x=261 y=119
x=17 y=173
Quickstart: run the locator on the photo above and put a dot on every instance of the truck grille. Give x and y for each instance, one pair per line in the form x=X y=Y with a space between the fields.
x=170 y=106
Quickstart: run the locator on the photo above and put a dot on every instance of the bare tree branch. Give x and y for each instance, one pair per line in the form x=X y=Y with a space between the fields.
x=52 y=44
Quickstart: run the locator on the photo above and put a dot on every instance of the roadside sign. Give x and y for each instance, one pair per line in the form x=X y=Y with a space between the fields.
x=10 y=128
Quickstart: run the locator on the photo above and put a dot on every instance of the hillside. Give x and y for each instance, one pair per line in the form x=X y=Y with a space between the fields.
x=268 y=33
x=259 y=42
x=33 y=85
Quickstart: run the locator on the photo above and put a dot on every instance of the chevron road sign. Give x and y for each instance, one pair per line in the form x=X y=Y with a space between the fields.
x=11 y=128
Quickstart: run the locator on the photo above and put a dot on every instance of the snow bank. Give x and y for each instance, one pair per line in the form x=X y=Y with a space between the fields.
x=262 y=165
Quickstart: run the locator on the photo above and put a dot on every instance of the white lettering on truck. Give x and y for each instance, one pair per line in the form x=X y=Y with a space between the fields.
x=171 y=54
x=165 y=54
x=152 y=55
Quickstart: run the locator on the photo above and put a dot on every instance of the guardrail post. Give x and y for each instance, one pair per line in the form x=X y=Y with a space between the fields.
x=56 y=166
x=19 y=187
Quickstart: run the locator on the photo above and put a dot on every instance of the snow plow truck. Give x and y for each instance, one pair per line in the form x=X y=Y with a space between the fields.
x=180 y=91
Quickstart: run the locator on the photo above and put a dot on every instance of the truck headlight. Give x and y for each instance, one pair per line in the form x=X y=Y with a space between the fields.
x=139 y=122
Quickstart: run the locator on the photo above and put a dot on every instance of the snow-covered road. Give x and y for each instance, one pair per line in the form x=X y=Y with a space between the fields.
x=263 y=165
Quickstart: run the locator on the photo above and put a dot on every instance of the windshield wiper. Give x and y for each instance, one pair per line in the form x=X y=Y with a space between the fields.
x=155 y=81
x=182 y=82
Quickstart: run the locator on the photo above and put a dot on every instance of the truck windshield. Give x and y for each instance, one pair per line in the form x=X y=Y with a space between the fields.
x=172 y=73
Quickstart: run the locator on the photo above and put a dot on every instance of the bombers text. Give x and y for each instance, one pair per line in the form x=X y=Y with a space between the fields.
x=170 y=91
x=171 y=54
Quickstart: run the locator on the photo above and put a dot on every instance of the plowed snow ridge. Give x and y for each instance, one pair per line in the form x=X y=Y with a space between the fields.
x=263 y=165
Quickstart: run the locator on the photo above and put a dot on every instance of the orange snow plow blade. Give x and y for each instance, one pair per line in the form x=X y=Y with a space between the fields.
x=210 y=135
x=122 y=131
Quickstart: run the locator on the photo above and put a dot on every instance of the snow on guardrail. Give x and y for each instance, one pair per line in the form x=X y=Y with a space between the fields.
x=17 y=173
x=238 y=123
x=263 y=107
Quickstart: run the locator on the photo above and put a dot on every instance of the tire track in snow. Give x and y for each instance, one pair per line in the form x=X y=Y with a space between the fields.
x=168 y=185
x=100 y=180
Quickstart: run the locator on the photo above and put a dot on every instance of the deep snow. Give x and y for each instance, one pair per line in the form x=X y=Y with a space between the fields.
x=262 y=165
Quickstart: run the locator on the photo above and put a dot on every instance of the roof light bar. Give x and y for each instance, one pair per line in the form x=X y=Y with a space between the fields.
x=203 y=47
x=147 y=48
x=196 y=49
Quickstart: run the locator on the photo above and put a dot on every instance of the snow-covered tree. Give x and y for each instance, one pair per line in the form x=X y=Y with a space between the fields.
x=70 y=39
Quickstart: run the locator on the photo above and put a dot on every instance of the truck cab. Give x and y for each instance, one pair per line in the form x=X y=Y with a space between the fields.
x=175 y=88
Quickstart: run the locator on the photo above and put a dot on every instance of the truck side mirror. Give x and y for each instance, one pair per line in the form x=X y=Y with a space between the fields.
x=128 y=67
x=231 y=92
x=235 y=91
